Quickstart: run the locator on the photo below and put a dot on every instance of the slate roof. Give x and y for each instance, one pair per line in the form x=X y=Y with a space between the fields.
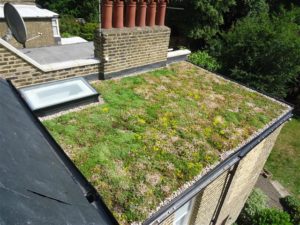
x=38 y=185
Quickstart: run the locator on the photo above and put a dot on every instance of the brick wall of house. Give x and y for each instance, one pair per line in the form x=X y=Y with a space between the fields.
x=245 y=178
x=205 y=203
x=209 y=199
x=34 y=26
x=240 y=186
x=127 y=48
x=23 y=73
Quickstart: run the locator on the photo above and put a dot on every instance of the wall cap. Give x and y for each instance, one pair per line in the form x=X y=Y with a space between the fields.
x=177 y=53
x=132 y=30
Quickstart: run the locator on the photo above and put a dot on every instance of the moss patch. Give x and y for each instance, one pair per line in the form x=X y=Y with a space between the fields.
x=156 y=131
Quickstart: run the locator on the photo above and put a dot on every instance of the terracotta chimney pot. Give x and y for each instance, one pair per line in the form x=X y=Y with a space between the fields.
x=151 y=13
x=118 y=14
x=161 y=12
x=130 y=13
x=141 y=13
x=107 y=9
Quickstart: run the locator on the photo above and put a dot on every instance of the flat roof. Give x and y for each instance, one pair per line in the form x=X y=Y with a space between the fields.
x=37 y=186
x=72 y=40
x=30 y=11
x=60 y=53
x=158 y=133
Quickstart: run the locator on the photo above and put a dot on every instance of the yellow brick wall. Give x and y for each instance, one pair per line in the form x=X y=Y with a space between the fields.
x=245 y=178
x=122 y=49
x=204 y=204
x=22 y=73
x=209 y=199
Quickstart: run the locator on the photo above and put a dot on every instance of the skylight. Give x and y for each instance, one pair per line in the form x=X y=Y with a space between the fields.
x=59 y=94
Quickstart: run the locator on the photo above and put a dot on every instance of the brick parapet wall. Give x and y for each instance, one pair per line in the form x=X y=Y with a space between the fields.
x=22 y=73
x=123 y=49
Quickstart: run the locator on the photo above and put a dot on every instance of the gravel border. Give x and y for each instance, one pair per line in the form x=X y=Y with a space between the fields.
x=76 y=109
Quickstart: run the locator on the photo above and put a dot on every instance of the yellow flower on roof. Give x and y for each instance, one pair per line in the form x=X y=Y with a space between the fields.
x=141 y=121
x=105 y=109
x=138 y=136
x=196 y=97
x=207 y=158
x=155 y=148
x=218 y=120
x=165 y=121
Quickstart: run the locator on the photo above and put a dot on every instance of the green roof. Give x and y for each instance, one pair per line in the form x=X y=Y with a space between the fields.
x=157 y=131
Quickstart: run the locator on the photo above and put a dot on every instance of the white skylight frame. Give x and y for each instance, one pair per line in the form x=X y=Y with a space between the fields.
x=59 y=93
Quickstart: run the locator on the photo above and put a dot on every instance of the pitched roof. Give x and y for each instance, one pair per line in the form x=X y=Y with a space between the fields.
x=37 y=184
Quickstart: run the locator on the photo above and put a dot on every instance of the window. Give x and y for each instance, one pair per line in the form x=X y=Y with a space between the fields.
x=182 y=215
x=56 y=93
x=55 y=27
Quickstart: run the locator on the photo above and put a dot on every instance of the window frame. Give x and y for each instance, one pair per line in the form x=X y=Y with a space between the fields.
x=186 y=214
x=55 y=27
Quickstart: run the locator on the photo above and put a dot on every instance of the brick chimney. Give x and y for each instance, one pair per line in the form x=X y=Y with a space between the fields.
x=139 y=42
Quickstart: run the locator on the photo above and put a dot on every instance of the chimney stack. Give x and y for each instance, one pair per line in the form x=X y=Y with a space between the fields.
x=139 y=42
